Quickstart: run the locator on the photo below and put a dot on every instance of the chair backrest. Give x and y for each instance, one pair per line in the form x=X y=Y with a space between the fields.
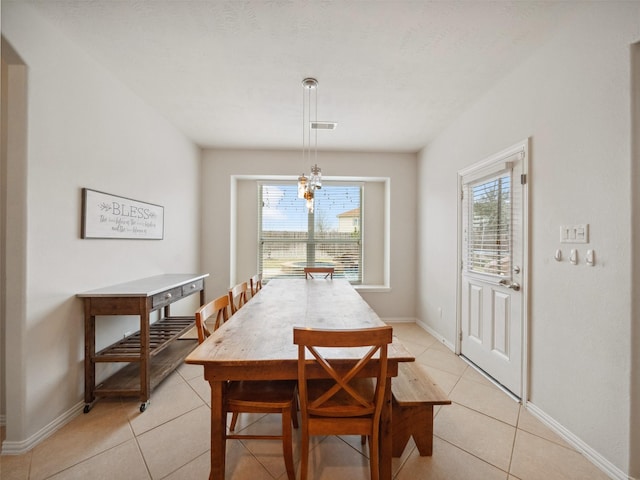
x=255 y=283
x=309 y=271
x=339 y=343
x=238 y=297
x=217 y=308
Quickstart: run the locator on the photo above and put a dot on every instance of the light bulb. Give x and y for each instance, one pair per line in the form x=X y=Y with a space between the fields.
x=302 y=185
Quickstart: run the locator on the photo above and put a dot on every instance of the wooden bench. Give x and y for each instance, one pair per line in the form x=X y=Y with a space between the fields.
x=414 y=395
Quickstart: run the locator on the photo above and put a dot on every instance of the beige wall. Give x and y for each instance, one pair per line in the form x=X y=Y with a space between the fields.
x=13 y=212
x=85 y=129
x=572 y=97
x=220 y=166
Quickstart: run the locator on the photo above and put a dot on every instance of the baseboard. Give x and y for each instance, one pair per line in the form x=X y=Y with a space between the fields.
x=424 y=326
x=436 y=335
x=21 y=447
x=594 y=457
x=398 y=320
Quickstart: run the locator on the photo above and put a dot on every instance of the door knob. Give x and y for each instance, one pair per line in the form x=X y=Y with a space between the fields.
x=509 y=284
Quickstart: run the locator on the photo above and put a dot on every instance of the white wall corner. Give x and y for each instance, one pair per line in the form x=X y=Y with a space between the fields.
x=23 y=446
x=436 y=335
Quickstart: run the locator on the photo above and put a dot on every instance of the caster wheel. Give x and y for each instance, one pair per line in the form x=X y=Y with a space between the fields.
x=143 y=406
x=86 y=408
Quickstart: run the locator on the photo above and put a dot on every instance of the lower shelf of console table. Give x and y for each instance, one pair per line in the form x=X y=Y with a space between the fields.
x=126 y=382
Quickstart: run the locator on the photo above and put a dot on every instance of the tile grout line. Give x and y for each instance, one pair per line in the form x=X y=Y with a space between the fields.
x=515 y=435
x=471 y=454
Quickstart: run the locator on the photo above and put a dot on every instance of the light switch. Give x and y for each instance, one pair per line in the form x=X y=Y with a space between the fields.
x=574 y=233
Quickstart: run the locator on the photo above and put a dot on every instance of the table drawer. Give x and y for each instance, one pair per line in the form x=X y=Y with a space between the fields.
x=191 y=287
x=167 y=297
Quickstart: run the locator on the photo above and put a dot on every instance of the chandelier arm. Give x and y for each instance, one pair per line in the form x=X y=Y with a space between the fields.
x=315 y=159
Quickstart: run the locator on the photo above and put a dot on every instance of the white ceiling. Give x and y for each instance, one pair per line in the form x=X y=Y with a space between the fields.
x=228 y=73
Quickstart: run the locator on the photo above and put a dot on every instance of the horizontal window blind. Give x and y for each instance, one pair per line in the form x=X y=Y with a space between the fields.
x=488 y=225
x=291 y=238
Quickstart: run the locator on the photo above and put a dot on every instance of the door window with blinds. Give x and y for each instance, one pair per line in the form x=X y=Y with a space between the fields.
x=487 y=223
x=291 y=237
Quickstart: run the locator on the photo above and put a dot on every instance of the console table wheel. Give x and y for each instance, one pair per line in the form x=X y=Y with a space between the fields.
x=143 y=406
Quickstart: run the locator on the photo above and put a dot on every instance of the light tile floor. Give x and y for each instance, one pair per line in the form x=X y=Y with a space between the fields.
x=482 y=435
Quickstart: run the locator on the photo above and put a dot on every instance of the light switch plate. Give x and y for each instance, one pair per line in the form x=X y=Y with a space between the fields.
x=574 y=233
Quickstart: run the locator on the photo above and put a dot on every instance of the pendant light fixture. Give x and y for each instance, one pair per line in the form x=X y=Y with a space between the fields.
x=308 y=185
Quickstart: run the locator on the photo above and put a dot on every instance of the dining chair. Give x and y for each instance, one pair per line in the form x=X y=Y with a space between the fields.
x=238 y=297
x=254 y=396
x=309 y=271
x=346 y=403
x=220 y=309
x=217 y=310
x=255 y=284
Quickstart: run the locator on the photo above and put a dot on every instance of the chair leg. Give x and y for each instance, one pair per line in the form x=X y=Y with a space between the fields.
x=374 y=459
x=304 y=452
x=287 y=443
x=234 y=420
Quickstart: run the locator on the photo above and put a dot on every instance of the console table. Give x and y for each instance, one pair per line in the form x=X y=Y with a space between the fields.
x=155 y=350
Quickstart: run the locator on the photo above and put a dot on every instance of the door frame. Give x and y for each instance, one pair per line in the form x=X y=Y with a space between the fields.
x=522 y=146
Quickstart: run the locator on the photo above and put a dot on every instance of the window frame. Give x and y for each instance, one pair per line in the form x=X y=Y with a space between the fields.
x=380 y=282
x=311 y=240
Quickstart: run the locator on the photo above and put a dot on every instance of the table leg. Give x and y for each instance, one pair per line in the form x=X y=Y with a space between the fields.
x=145 y=353
x=218 y=430
x=385 y=435
x=89 y=355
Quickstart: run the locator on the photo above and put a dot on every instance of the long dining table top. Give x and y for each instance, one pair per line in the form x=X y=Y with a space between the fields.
x=261 y=332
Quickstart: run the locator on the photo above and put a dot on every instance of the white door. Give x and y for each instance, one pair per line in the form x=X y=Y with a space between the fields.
x=492 y=234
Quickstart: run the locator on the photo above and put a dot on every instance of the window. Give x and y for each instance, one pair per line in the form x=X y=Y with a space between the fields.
x=488 y=225
x=291 y=238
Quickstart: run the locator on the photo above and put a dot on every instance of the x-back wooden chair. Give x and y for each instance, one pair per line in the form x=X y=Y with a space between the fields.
x=255 y=283
x=238 y=297
x=216 y=309
x=309 y=271
x=347 y=403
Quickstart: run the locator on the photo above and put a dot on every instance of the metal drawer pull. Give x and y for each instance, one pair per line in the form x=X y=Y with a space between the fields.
x=168 y=295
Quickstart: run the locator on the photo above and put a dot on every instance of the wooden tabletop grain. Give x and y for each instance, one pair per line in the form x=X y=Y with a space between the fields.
x=261 y=332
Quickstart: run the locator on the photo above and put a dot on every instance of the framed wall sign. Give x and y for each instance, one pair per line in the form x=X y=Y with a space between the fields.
x=111 y=216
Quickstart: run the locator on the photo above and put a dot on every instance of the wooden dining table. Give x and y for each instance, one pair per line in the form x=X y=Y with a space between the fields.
x=256 y=343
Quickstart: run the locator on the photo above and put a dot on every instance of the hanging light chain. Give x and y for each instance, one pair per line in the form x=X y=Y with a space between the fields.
x=307 y=186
